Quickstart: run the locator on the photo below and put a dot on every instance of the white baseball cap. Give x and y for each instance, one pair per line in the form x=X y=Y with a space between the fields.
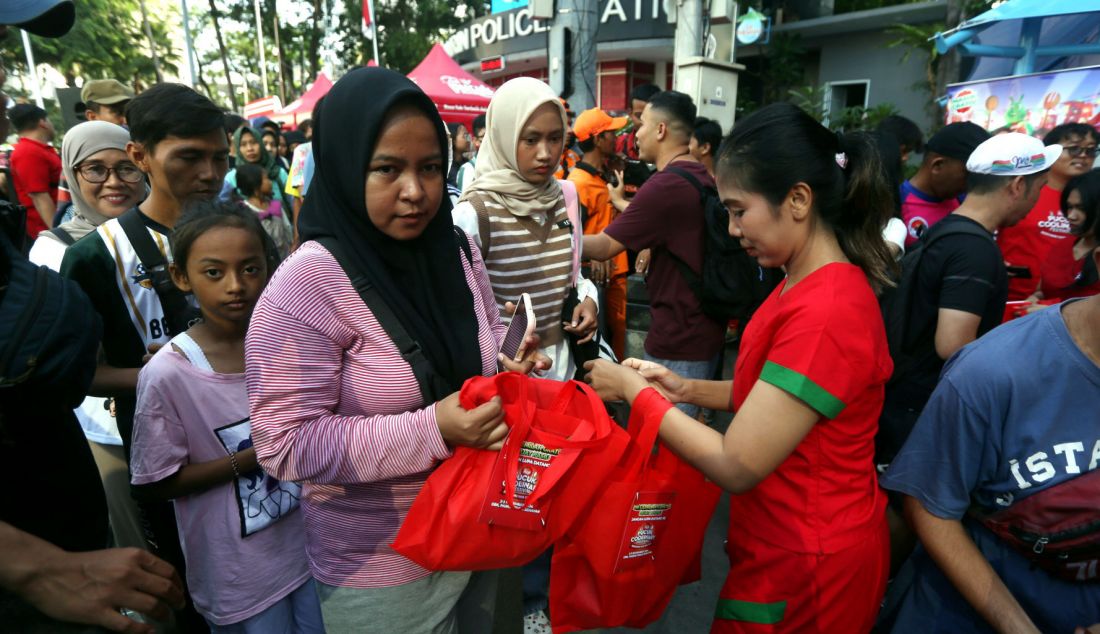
x=1012 y=154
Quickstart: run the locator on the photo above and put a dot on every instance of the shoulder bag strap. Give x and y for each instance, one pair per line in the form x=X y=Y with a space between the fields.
x=63 y=236
x=694 y=280
x=573 y=212
x=483 y=229
x=407 y=346
x=172 y=299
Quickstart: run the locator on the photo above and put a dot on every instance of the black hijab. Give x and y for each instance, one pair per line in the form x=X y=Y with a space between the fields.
x=421 y=279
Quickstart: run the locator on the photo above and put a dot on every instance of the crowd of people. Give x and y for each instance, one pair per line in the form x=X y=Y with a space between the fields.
x=248 y=361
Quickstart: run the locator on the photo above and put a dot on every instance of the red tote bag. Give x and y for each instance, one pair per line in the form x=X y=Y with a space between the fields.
x=622 y=563
x=483 y=510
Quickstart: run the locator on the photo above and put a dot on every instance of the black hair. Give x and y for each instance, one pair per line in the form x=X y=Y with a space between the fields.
x=903 y=130
x=231 y=121
x=307 y=124
x=452 y=128
x=707 y=132
x=205 y=215
x=982 y=184
x=1087 y=187
x=478 y=124
x=270 y=132
x=677 y=107
x=889 y=151
x=1067 y=130
x=588 y=144
x=250 y=177
x=274 y=126
x=780 y=145
x=171 y=110
x=644 y=92
x=25 y=116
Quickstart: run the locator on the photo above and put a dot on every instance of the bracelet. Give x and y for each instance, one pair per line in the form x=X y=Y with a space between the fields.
x=233 y=463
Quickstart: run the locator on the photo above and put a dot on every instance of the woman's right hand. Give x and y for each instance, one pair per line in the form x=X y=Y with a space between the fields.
x=481 y=428
x=671 y=385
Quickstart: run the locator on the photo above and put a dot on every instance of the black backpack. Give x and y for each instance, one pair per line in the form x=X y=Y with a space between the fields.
x=732 y=284
x=897 y=302
x=51 y=333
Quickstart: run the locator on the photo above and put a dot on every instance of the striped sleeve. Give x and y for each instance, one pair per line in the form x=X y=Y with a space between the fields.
x=296 y=377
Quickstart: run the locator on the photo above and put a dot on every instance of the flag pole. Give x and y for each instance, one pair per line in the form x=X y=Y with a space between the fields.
x=34 y=69
x=374 y=31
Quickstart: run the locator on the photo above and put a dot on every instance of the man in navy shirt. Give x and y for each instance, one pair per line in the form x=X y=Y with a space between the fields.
x=1014 y=414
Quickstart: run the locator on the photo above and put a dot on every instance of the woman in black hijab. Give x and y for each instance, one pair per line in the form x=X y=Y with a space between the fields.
x=335 y=404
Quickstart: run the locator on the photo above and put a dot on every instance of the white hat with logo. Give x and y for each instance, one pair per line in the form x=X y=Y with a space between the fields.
x=1012 y=154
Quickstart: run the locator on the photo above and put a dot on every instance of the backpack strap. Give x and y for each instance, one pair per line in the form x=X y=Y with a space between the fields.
x=483 y=232
x=407 y=346
x=174 y=302
x=573 y=212
x=464 y=244
x=694 y=280
x=192 y=351
x=63 y=236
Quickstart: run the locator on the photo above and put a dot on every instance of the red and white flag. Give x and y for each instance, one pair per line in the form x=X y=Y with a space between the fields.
x=366 y=12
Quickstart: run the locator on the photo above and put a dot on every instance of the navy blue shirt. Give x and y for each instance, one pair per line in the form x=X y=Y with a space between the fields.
x=1015 y=412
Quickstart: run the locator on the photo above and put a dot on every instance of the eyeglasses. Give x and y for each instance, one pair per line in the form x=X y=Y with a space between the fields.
x=1077 y=150
x=96 y=173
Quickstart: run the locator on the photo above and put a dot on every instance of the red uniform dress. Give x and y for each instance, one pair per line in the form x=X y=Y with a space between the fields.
x=1028 y=242
x=1064 y=277
x=808 y=547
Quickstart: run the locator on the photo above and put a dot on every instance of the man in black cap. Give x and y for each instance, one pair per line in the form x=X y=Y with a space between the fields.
x=934 y=190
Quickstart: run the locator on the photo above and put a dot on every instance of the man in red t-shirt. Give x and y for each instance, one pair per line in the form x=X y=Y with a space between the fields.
x=626 y=144
x=35 y=166
x=1027 y=244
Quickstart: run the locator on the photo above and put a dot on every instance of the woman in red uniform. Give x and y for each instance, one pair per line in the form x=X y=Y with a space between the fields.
x=1068 y=270
x=808 y=543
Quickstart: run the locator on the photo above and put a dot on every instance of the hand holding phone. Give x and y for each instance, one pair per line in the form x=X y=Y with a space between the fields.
x=521 y=327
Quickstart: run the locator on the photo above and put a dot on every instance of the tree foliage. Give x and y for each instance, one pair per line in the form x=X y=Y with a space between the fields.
x=106 y=41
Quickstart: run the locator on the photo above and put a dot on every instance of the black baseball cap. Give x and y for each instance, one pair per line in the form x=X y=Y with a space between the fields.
x=957 y=140
x=47 y=18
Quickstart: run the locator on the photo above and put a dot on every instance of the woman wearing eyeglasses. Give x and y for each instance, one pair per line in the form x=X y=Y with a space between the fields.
x=1027 y=244
x=104 y=181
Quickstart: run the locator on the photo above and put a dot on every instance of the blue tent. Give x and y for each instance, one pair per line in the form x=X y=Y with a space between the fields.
x=1020 y=37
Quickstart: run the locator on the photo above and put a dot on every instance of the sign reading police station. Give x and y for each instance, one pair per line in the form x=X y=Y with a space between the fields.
x=517 y=32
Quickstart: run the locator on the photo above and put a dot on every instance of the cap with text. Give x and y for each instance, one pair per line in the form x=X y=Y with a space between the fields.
x=1012 y=154
x=595 y=121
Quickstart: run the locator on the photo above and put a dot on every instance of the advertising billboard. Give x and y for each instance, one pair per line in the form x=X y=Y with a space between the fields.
x=1032 y=104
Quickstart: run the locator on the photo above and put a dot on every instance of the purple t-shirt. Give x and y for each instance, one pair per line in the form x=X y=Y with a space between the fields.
x=230 y=577
x=666 y=216
x=920 y=211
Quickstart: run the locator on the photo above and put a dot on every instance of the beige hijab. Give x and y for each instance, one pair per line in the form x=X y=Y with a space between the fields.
x=497 y=176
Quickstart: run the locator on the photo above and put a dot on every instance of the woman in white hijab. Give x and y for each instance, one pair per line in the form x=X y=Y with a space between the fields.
x=516 y=211
x=103 y=183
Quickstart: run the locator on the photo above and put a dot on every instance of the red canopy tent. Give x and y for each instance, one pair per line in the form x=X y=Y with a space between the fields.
x=458 y=95
x=302 y=107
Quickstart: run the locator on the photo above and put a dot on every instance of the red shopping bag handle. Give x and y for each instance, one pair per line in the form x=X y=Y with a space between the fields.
x=646 y=415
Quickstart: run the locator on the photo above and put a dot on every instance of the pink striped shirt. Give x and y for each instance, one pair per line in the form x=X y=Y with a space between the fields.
x=334 y=406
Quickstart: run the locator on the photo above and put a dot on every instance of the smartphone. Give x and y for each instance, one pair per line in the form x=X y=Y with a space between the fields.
x=1021 y=272
x=520 y=328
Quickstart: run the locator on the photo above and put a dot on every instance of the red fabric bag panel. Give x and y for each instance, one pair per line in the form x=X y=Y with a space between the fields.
x=622 y=563
x=483 y=510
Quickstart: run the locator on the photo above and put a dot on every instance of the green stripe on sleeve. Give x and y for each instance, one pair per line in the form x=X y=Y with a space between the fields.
x=801 y=386
x=749 y=612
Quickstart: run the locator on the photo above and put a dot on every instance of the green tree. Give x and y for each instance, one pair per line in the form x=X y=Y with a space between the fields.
x=107 y=40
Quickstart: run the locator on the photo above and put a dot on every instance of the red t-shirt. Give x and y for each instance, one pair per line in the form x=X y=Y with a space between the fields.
x=823 y=342
x=1062 y=274
x=666 y=215
x=35 y=168
x=1028 y=242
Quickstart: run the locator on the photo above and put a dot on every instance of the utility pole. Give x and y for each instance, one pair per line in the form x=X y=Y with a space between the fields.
x=34 y=69
x=260 y=44
x=572 y=52
x=187 y=45
x=689 y=35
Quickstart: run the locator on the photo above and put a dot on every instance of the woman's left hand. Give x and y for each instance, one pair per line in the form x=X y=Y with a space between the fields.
x=584 y=321
x=531 y=359
x=614 y=382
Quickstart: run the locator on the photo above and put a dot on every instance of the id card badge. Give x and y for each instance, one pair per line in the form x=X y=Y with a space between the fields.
x=534 y=460
x=645 y=524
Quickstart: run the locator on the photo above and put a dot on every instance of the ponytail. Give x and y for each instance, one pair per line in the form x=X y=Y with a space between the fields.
x=780 y=145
